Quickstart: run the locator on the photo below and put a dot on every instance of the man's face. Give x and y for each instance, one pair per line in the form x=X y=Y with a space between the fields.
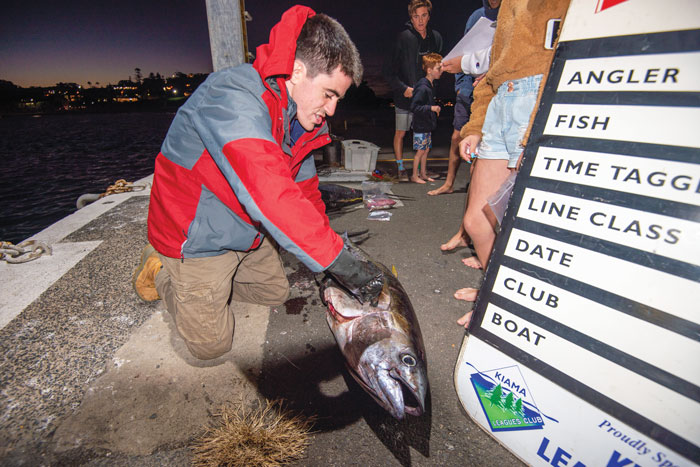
x=317 y=97
x=419 y=19
x=494 y=3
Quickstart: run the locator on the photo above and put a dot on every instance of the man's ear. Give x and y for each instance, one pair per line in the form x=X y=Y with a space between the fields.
x=298 y=72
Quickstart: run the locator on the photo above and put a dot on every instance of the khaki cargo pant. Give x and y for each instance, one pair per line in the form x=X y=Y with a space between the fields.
x=200 y=293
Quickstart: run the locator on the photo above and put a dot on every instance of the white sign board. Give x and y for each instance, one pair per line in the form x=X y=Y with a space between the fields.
x=584 y=348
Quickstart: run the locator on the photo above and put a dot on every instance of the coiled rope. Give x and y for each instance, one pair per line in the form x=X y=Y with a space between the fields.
x=120 y=186
x=24 y=252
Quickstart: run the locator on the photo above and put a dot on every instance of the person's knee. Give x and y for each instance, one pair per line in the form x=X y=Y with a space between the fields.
x=470 y=224
x=272 y=294
x=275 y=295
x=209 y=350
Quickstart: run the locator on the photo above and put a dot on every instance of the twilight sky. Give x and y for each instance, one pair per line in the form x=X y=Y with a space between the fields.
x=43 y=42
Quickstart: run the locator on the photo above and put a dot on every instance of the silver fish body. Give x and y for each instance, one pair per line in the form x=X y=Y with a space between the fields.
x=382 y=344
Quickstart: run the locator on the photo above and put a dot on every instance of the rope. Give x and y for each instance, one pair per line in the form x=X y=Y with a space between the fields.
x=122 y=186
x=24 y=252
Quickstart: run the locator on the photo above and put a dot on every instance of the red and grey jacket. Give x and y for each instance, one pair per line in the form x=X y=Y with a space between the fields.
x=227 y=172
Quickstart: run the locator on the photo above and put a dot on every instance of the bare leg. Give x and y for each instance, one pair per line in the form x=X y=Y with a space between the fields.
x=416 y=162
x=452 y=166
x=424 y=166
x=488 y=175
x=398 y=144
x=458 y=240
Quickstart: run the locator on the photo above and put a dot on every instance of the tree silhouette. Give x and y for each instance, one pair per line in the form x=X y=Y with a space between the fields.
x=137 y=71
x=509 y=401
x=496 y=395
x=519 y=405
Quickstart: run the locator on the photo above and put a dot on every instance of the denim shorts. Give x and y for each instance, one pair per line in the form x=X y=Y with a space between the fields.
x=403 y=119
x=422 y=141
x=507 y=120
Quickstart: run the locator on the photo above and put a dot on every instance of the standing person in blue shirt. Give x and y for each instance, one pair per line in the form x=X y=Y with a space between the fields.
x=404 y=68
x=464 y=89
x=425 y=114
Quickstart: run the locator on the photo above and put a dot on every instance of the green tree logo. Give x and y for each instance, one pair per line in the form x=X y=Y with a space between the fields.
x=496 y=396
x=508 y=403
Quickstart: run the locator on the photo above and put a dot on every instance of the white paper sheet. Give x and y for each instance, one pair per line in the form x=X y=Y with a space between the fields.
x=480 y=36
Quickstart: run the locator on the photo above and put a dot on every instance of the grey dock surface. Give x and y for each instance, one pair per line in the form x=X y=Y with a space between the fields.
x=90 y=375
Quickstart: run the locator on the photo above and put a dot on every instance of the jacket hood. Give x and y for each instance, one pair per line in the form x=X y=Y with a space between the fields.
x=277 y=56
x=423 y=83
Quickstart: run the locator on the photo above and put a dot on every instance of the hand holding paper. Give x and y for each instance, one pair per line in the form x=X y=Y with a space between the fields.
x=453 y=65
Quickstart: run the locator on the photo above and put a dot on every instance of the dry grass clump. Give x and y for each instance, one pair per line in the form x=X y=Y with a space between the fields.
x=267 y=435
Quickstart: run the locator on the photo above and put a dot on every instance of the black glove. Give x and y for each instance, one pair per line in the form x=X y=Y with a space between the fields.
x=362 y=279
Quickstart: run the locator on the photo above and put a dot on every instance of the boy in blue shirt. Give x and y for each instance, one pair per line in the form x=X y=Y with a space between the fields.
x=425 y=115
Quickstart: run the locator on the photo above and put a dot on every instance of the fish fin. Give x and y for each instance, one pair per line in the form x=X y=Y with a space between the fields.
x=394 y=272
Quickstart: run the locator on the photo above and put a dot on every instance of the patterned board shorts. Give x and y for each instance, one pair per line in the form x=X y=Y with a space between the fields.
x=422 y=141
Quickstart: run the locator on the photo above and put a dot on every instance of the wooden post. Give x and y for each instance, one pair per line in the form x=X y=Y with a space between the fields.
x=226 y=33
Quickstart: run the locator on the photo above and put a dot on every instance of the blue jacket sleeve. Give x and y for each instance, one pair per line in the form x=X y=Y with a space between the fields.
x=420 y=101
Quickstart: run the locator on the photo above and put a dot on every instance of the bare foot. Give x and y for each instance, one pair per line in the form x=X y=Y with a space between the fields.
x=466 y=319
x=472 y=262
x=456 y=241
x=417 y=180
x=427 y=179
x=446 y=189
x=467 y=294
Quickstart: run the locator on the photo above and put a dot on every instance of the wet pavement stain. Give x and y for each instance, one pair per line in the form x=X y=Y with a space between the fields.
x=294 y=306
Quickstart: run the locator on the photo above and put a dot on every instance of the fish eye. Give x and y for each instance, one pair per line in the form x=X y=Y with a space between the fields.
x=408 y=360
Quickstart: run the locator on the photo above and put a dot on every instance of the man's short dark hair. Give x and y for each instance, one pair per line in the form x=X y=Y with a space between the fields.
x=323 y=45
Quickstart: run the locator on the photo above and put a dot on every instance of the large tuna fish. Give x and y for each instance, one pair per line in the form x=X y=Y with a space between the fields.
x=382 y=344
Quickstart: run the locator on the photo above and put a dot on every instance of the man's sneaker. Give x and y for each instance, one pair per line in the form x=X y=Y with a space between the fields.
x=144 y=279
x=402 y=176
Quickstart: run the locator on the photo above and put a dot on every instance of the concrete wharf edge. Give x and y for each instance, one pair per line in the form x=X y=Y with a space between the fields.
x=90 y=375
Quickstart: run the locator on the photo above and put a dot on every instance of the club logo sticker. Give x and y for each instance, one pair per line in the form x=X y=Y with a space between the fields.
x=506 y=400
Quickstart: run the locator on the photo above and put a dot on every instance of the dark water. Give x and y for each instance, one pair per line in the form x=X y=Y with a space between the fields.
x=49 y=161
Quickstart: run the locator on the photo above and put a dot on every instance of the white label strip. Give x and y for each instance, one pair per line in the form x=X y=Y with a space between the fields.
x=669 y=180
x=674 y=72
x=658 y=346
x=587 y=19
x=671 y=237
x=672 y=126
x=669 y=409
x=651 y=287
